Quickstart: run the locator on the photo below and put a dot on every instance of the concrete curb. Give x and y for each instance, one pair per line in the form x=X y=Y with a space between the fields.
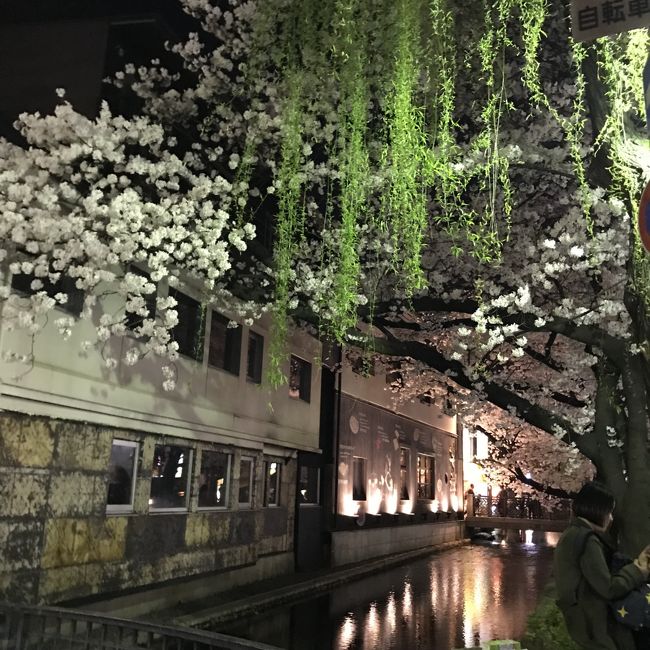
x=302 y=586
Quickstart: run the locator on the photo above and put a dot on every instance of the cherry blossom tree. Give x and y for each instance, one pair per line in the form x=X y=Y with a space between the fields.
x=461 y=179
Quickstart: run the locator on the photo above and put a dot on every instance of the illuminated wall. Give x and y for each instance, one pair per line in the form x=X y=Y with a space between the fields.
x=377 y=437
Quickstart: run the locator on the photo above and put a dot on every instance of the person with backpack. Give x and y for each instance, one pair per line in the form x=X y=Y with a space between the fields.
x=586 y=585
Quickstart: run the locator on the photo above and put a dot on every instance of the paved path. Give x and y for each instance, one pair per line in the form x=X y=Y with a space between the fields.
x=258 y=596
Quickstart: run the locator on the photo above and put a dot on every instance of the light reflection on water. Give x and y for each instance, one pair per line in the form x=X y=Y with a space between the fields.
x=457 y=598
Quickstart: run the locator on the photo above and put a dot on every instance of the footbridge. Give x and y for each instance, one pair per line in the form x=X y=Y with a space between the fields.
x=516 y=513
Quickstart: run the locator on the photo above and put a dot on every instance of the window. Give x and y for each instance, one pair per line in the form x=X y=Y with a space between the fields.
x=271 y=483
x=255 y=356
x=133 y=319
x=404 y=472
x=225 y=344
x=308 y=485
x=170 y=474
x=426 y=480
x=121 y=476
x=21 y=283
x=359 y=479
x=214 y=479
x=473 y=446
x=300 y=379
x=246 y=482
x=188 y=333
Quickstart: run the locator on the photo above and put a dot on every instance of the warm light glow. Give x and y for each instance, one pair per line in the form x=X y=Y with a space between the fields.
x=435 y=505
x=454 y=501
x=528 y=537
x=350 y=506
x=373 y=502
x=348 y=632
x=391 y=612
x=391 y=502
x=445 y=504
x=407 y=507
x=372 y=623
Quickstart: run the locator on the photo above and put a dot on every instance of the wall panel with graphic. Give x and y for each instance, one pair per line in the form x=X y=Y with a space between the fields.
x=391 y=464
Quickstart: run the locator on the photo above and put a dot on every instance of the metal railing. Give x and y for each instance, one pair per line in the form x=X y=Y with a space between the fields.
x=54 y=628
x=505 y=505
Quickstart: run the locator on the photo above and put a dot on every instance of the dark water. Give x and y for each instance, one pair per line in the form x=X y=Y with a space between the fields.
x=457 y=598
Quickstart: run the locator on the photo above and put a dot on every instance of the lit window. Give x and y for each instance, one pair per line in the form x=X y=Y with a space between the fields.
x=121 y=476
x=272 y=483
x=426 y=477
x=214 y=479
x=188 y=333
x=225 y=344
x=300 y=379
x=246 y=482
x=404 y=472
x=308 y=485
x=359 y=479
x=170 y=474
x=255 y=358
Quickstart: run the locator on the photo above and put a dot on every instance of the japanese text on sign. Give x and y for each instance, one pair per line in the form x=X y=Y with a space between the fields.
x=594 y=18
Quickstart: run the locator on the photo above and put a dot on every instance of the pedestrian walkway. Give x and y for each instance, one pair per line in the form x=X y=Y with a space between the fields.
x=258 y=596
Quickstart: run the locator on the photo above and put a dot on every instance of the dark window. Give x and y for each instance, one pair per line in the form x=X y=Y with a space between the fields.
x=308 y=485
x=121 y=476
x=404 y=472
x=21 y=282
x=300 y=379
x=214 y=479
x=255 y=357
x=359 y=479
x=225 y=344
x=473 y=447
x=169 y=477
x=246 y=482
x=188 y=333
x=134 y=320
x=426 y=477
x=271 y=483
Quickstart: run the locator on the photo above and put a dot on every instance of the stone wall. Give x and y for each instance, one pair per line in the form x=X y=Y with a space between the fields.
x=58 y=543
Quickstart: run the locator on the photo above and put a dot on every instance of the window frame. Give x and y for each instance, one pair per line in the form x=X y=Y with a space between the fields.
x=150 y=299
x=278 y=481
x=432 y=483
x=304 y=378
x=188 y=483
x=123 y=508
x=255 y=378
x=251 y=481
x=227 y=481
x=356 y=492
x=404 y=469
x=230 y=332
x=76 y=297
x=198 y=337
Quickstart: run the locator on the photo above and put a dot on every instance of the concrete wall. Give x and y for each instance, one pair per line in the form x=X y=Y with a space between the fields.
x=364 y=544
x=57 y=542
x=374 y=390
x=207 y=403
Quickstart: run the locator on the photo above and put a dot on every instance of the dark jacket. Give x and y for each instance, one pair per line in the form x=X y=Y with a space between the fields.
x=585 y=585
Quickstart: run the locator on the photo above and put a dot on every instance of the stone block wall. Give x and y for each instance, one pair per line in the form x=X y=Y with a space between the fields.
x=57 y=541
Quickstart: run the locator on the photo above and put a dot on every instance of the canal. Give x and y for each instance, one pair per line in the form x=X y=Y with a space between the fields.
x=453 y=599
